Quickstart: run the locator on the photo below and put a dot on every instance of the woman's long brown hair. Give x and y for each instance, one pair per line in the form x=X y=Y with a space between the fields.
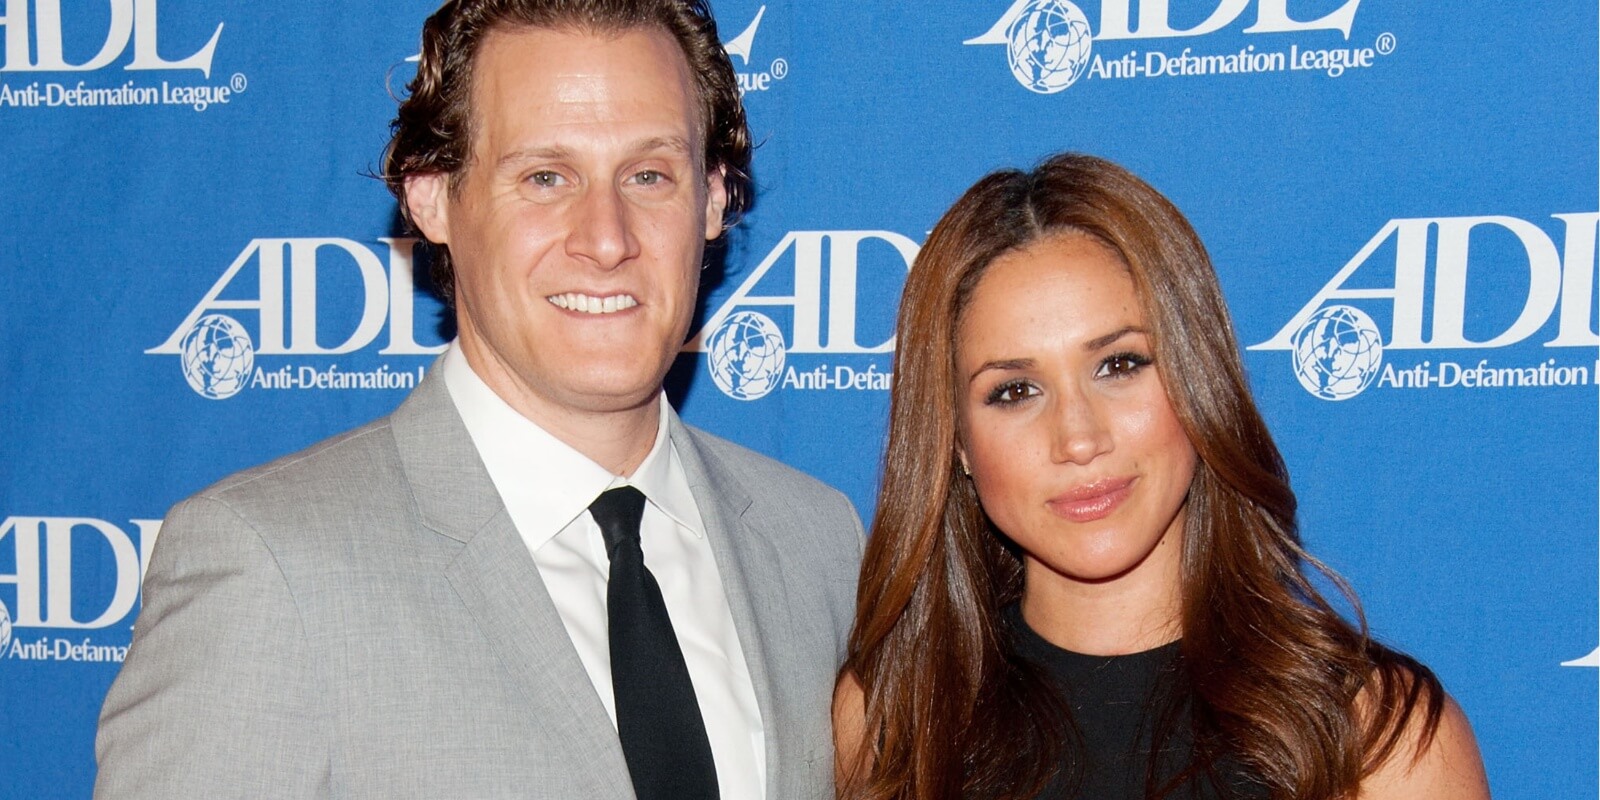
x=1275 y=672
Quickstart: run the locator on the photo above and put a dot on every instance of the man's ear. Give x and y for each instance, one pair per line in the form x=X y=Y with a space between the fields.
x=427 y=196
x=716 y=201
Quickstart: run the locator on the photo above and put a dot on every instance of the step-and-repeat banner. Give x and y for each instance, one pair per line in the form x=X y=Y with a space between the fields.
x=199 y=274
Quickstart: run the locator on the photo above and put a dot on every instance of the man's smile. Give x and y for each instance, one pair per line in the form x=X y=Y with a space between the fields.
x=590 y=304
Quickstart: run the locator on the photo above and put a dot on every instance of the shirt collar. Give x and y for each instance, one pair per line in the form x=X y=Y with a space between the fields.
x=662 y=480
x=545 y=483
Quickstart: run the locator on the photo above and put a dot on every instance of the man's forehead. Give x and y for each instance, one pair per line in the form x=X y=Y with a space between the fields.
x=573 y=75
x=575 y=50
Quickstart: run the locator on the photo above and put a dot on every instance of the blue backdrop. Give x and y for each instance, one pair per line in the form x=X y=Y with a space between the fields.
x=1401 y=199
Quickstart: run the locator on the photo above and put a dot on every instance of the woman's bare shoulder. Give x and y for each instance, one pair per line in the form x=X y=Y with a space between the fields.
x=1443 y=766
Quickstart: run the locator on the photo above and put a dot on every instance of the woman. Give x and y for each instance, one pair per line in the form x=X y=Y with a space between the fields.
x=1084 y=578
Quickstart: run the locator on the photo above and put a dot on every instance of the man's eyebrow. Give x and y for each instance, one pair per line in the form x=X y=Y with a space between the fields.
x=1003 y=365
x=677 y=144
x=548 y=153
x=674 y=144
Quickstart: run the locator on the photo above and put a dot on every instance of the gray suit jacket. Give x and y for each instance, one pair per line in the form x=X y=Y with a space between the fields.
x=362 y=620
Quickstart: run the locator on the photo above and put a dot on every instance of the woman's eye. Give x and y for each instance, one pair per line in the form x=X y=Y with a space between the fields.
x=1011 y=392
x=1123 y=365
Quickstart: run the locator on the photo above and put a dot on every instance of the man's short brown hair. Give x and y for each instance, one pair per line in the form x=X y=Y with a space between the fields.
x=432 y=131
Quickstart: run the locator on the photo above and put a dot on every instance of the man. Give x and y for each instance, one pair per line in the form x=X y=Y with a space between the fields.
x=465 y=599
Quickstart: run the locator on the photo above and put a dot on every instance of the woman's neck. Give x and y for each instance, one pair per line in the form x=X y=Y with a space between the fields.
x=1130 y=613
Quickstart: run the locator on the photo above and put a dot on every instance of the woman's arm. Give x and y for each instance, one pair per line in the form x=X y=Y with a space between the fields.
x=849 y=729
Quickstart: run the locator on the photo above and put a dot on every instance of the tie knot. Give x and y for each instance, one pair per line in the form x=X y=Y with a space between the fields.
x=618 y=512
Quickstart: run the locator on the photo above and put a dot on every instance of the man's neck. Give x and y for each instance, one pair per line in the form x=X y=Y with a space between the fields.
x=617 y=439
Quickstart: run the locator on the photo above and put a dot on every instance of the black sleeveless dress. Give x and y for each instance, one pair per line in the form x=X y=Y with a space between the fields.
x=1118 y=703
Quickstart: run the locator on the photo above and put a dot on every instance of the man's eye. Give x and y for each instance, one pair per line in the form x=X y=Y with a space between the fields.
x=649 y=177
x=1011 y=392
x=545 y=178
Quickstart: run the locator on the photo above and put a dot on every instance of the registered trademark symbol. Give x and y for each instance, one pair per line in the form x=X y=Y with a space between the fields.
x=238 y=83
x=780 y=68
x=1386 y=43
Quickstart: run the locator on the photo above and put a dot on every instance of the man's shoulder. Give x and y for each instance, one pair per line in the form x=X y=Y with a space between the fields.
x=778 y=489
x=341 y=469
x=814 y=528
x=757 y=473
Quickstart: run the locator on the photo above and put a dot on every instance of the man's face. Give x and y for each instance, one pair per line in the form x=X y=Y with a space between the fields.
x=578 y=228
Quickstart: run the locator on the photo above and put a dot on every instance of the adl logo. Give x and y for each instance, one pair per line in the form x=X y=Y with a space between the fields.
x=747 y=349
x=218 y=354
x=1338 y=350
x=1049 y=42
x=131 y=21
x=48 y=554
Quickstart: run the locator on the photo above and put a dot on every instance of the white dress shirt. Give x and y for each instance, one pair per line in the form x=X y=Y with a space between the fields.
x=547 y=487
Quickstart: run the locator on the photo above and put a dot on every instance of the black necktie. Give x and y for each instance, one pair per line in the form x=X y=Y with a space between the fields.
x=658 y=719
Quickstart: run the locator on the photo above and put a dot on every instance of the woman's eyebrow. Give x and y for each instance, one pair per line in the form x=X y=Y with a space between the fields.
x=1097 y=343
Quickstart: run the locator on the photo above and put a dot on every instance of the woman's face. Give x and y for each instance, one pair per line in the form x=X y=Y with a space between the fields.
x=1067 y=430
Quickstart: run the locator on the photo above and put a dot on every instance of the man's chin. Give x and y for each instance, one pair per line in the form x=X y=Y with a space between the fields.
x=611 y=402
x=607 y=391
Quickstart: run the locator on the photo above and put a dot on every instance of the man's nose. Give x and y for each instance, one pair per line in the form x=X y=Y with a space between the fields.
x=602 y=228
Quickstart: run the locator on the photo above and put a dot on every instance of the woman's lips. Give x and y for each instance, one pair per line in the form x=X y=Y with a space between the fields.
x=1092 y=501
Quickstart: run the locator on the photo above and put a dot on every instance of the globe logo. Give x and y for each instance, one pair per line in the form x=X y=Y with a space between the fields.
x=1048 y=45
x=217 y=356
x=1337 y=353
x=5 y=630
x=746 y=355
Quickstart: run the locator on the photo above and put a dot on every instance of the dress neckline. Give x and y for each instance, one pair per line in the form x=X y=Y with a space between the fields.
x=1035 y=645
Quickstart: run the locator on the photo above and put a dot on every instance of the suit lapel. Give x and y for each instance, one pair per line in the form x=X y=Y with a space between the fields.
x=497 y=581
x=753 y=579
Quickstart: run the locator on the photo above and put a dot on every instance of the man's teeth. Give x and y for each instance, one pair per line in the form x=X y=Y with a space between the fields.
x=588 y=304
